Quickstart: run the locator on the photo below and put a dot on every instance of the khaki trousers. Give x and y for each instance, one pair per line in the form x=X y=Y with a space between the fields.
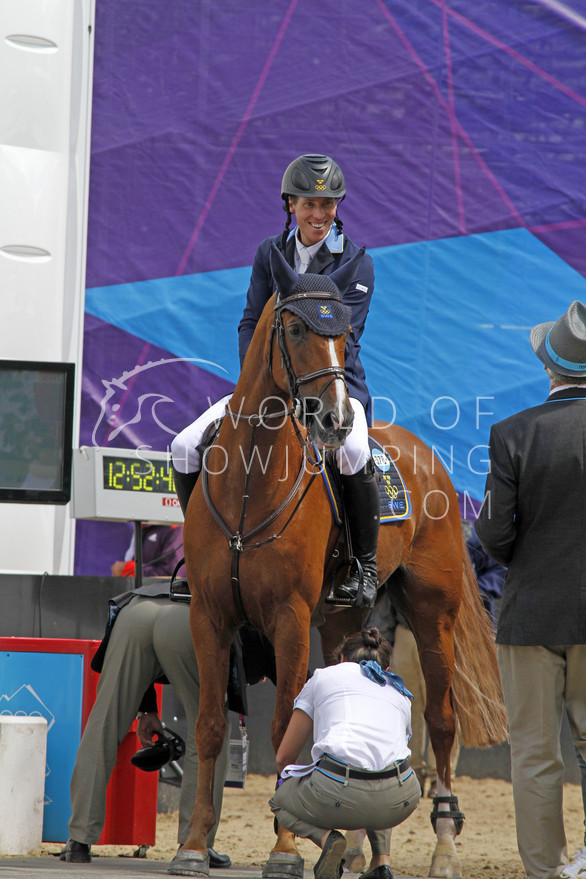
x=537 y=683
x=311 y=805
x=151 y=637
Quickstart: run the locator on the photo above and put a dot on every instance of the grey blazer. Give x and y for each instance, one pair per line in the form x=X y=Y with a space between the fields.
x=533 y=519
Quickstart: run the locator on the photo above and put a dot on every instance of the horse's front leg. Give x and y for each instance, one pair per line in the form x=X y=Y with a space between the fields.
x=212 y=648
x=291 y=641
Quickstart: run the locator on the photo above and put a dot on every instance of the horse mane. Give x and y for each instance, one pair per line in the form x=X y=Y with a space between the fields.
x=477 y=697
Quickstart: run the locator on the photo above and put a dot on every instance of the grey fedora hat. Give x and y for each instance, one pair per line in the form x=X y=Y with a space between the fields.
x=561 y=344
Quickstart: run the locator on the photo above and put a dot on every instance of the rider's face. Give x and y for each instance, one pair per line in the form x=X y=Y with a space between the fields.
x=314 y=217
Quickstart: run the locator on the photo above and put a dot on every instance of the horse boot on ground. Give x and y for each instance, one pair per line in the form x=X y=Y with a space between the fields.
x=184 y=485
x=362 y=507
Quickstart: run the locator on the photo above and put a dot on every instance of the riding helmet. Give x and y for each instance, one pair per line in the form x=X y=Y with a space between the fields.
x=313 y=175
x=169 y=746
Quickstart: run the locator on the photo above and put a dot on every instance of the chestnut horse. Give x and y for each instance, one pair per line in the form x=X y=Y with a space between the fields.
x=259 y=538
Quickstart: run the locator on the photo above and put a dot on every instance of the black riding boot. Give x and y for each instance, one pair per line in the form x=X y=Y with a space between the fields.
x=362 y=506
x=184 y=485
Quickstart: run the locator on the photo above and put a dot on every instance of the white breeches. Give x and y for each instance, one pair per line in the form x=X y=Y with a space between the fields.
x=350 y=458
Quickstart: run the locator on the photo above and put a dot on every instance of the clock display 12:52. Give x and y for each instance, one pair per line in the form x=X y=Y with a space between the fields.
x=137 y=474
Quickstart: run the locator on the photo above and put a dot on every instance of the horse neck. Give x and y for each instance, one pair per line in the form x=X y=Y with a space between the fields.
x=256 y=391
x=272 y=451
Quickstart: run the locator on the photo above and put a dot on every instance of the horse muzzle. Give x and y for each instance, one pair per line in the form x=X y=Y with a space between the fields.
x=328 y=427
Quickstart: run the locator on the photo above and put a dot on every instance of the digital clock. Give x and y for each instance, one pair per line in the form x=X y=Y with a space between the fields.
x=124 y=485
x=129 y=474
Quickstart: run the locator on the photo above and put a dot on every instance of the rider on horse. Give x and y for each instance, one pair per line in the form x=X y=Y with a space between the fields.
x=311 y=189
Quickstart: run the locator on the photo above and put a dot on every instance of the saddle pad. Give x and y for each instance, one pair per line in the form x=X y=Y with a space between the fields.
x=395 y=504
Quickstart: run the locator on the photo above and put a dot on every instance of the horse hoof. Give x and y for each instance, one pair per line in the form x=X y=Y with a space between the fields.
x=355 y=860
x=188 y=862
x=283 y=865
x=445 y=863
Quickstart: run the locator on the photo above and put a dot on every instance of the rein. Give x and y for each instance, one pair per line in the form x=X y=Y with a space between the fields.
x=239 y=542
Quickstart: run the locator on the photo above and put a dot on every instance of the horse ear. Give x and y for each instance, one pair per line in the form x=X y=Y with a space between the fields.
x=344 y=275
x=285 y=277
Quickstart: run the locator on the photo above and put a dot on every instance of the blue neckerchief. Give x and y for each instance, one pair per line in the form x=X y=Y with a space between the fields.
x=375 y=673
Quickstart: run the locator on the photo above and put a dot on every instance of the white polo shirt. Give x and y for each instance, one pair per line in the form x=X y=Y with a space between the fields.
x=355 y=719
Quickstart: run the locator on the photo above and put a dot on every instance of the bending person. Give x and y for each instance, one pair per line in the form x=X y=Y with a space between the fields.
x=311 y=189
x=360 y=717
x=150 y=639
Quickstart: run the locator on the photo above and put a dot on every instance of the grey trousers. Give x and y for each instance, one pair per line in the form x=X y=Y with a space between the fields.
x=151 y=637
x=537 y=683
x=313 y=804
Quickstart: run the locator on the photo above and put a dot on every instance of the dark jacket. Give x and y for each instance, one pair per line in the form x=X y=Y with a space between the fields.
x=262 y=287
x=533 y=519
x=490 y=575
x=162 y=549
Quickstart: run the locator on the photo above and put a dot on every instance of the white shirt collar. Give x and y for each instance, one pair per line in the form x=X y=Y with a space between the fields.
x=334 y=241
x=303 y=254
x=564 y=388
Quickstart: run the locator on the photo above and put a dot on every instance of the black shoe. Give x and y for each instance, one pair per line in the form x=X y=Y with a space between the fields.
x=76 y=852
x=217 y=860
x=360 y=589
x=331 y=861
x=382 y=872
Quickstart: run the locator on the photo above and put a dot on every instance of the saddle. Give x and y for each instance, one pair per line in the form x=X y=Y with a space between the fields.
x=395 y=504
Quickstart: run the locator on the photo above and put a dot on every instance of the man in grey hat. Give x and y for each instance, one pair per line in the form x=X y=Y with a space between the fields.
x=533 y=520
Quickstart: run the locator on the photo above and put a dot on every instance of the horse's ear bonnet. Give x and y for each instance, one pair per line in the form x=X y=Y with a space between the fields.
x=325 y=316
x=169 y=746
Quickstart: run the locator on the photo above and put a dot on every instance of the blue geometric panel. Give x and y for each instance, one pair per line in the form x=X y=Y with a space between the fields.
x=445 y=348
x=48 y=685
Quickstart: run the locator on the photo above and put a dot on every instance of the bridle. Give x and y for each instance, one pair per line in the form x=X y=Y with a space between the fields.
x=239 y=542
x=278 y=330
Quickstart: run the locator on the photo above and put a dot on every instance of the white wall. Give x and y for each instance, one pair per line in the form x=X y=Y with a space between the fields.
x=46 y=57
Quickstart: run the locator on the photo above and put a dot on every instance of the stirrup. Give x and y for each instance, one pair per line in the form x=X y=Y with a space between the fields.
x=355 y=570
x=453 y=813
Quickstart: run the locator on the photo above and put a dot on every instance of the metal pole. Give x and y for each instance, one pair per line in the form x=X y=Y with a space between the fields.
x=137 y=554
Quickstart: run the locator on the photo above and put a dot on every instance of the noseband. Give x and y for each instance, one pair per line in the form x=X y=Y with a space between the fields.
x=294 y=381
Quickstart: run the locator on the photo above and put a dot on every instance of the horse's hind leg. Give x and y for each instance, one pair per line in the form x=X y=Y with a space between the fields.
x=432 y=603
x=437 y=666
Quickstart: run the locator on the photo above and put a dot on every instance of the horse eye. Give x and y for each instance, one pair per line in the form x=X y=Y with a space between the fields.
x=295 y=330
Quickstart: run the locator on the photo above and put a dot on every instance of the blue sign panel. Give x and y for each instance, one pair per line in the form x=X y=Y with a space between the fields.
x=48 y=685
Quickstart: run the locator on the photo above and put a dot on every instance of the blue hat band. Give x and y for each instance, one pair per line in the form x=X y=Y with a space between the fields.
x=567 y=364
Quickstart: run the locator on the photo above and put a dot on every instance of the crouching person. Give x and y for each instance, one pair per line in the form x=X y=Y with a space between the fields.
x=360 y=717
